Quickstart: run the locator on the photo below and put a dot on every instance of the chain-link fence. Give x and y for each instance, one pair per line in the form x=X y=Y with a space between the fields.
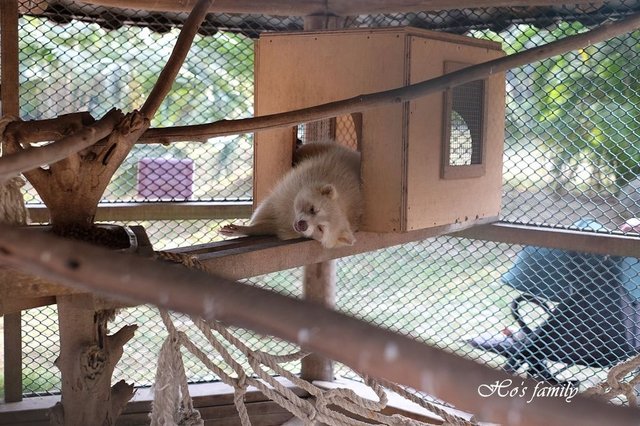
x=572 y=160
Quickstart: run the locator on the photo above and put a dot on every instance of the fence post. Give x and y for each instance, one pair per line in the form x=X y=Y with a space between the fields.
x=10 y=106
x=319 y=283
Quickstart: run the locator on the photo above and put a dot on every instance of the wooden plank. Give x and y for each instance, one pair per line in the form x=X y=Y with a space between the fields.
x=357 y=7
x=397 y=31
x=269 y=254
x=12 y=357
x=124 y=212
x=206 y=398
x=271 y=7
x=265 y=413
x=432 y=200
x=12 y=305
x=590 y=242
x=337 y=7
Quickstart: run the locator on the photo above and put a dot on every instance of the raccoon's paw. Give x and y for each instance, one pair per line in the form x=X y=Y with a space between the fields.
x=231 y=230
x=346 y=238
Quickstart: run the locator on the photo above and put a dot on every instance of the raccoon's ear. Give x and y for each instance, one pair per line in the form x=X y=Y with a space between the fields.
x=329 y=190
x=346 y=238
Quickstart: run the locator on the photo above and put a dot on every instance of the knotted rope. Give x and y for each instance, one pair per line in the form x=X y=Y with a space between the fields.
x=12 y=208
x=614 y=385
x=173 y=405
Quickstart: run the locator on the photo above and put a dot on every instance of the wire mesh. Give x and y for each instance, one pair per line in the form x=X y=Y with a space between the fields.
x=571 y=161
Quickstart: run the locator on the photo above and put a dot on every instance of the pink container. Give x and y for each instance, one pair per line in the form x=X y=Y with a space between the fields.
x=165 y=178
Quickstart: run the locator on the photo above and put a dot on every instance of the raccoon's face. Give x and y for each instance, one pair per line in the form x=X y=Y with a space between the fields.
x=317 y=215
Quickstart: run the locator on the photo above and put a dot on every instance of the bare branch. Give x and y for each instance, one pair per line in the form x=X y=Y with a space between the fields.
x=121 y=393
x=179 y=53
x=32 y=158
x=327 y=332
x=116 y=341
x=403 y=94
x=49 y=129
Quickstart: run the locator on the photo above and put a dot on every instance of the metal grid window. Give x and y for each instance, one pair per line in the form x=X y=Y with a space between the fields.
x=571 y=161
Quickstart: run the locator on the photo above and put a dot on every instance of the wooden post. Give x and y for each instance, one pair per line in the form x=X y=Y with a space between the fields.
x=9 y=52
x=319 y=287
x=12 y=357
x=87 y=359
x=10 y=106
x=319 y=282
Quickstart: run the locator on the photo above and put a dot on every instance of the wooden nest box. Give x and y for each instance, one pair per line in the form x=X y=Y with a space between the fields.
x=433 y=161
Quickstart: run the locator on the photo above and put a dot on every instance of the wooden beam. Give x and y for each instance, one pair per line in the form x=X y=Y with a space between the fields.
x=9 y=97
x=399 y=95
x=250 y=256
x=12 y=336
x=335 y=7
x=124 y=212
x=18 y=304
x=590 y=242
x=13 y=306
x=362 y=346
x=9 y=93
x=21 y=290
x=319 y=287
x=211 y=400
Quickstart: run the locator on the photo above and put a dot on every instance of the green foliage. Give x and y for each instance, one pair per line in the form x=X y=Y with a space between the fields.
x=586 y=102
x=82 y=67
x=40 y=379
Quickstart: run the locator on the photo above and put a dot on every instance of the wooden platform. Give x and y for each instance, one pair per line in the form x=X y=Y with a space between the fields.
x=214 y=401
x=251 y=256
x=234 y=259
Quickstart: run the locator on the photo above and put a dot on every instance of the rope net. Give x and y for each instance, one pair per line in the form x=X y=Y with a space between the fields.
x=333 y=407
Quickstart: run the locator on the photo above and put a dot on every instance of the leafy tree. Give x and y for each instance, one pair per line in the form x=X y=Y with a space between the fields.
x=82 y=67
x=586 y=102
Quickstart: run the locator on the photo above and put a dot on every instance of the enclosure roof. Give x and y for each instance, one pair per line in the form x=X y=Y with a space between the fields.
x=251 y=17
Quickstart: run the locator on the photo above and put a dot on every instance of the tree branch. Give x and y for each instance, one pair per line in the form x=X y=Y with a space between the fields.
x=50 y=129
x=121 y=394
x=335 y=335
x=178 y=55
x=364 y=102
x=32 y=158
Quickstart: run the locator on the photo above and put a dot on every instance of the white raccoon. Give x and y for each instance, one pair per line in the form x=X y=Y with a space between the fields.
x=319 y=198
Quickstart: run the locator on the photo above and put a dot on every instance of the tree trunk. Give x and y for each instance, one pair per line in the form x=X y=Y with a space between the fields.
x=88 y=356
